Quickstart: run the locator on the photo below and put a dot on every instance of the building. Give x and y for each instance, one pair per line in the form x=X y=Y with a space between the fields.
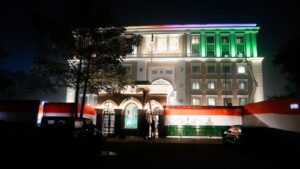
x=185 y=66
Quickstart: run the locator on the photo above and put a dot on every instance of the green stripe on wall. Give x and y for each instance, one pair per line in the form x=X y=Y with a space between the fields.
x=187 y=130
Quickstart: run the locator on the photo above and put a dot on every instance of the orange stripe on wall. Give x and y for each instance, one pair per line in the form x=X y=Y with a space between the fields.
x=281 y=106
x=203 y=110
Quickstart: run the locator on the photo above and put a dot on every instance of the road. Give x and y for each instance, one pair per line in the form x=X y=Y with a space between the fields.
x=260 y=149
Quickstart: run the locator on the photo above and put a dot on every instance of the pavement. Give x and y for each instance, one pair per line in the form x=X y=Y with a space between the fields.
x=132 y=139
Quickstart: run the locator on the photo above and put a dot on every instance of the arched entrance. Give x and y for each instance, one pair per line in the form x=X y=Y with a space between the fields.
x=108 y=124
x=163 y=86
x=131 y=116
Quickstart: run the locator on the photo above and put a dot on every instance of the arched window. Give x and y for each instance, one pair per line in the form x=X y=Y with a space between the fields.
x=131 y=116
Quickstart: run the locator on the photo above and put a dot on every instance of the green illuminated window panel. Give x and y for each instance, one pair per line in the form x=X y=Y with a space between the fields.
x=195 y=44
x=225 y=48
x=240 y=46
x=131 y=116
x=210 y=46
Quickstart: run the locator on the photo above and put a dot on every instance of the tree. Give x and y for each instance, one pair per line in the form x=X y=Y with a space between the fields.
x=286 y=58
x=82 y=52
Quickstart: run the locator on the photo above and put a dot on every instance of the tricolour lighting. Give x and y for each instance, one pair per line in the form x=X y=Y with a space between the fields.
x=192 y=26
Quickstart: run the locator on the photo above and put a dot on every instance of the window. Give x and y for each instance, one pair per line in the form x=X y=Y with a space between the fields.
x=211 y=68
x=210 y=46
x=195 y=44
x=162 y=44
x=196 y=68
x=227 y=84
x=211 y=101
x=128 y=69
x=131 y=116
x=210 y=39
x=173 y=43
x=241 y=69
x=242 y=85
x=226 y=68
x=196 y=101
x=168 y=72
x=211 y=85
x=195 y=84
x=225 y=39
x=240 y=46
x=239 y=39
x=225 y=46
x=195 y=39
x=227 y=101
x=154 y=71
x=243 y=101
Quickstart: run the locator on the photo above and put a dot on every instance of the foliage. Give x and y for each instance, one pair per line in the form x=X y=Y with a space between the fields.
x=82 y=50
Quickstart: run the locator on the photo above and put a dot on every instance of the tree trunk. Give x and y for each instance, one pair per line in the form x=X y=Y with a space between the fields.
x=86 y=80
x=77 y=88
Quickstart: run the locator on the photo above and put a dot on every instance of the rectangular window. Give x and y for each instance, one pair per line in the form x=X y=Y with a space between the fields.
x=225 y=39
x=242 y=85
x=227 y=101
x=154 y=71
x=196 y=68
x=165 y=44
x=239 y=39
x=227 y=85
x=211 y=101
x=173 y=43
x=161 y=43
x=195 y=44
x=168 y=72
x=128 y=68
x=226 y=68
x=240 y=46
x=225 y=46
x=195 y=84
x=210 y=68
x=195 y=101
x=210 y=46
x=241 y=69
x=211 y=85
x=195 y=40
x=210 y=39
x=243 y=101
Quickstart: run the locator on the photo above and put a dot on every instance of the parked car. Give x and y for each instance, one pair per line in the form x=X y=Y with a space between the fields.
x=232 y=135
x=70 y=128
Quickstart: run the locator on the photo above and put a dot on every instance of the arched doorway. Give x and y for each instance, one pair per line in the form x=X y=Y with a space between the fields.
x=163 y=86
x=131 y=116
x=108 y=125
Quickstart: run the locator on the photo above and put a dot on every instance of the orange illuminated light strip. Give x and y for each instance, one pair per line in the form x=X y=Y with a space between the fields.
x=191 y=110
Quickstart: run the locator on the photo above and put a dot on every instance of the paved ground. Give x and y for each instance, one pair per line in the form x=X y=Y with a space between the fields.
x=260 y=149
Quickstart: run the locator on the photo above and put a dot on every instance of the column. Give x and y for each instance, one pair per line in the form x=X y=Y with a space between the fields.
x=188 y=44
x=254 y=44
x=248 y=44
x=218 y=44
x=203 y=44
x=232 y=44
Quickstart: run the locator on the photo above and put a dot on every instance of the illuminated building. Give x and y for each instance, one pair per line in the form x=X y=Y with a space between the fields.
x=186 y=66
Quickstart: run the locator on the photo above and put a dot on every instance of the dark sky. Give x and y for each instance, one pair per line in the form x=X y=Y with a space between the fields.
x=276 y=19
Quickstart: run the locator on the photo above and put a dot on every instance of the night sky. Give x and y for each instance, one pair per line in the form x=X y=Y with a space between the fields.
x=277 y=21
